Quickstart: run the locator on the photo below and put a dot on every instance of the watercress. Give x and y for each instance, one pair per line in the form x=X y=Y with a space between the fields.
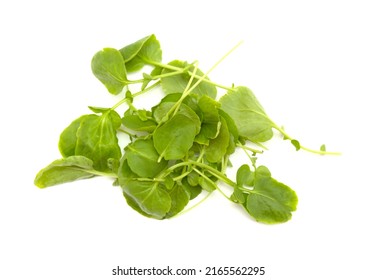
x=178 y=149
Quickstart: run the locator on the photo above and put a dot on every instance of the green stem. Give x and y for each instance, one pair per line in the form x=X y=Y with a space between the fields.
x=146 y=89
x=249 y=149
x=175 y=68
x=181 y=176
x=192 y=207
x=185 y=93
x=210 y=169
x=125 y=100
x=210 y=182
x=100 y=173
x=288 y=137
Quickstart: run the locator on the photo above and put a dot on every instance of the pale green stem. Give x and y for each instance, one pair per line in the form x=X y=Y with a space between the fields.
x=210 y=182
x=288 y=137
x=99 y=173
x=210 y=169
x=125 y=100
x=249 y=149
x=201 y=78
x=192 y=207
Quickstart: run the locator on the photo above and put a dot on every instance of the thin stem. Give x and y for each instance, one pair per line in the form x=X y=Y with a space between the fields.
x=125 y=100
x=288 y=137
x=171 y=67
x=185 y=93
x=169 y=74
x=249 y=149
x=99 y=173
x=210 y=182
x=208 y=168
x=192 y=207
x=181 y=176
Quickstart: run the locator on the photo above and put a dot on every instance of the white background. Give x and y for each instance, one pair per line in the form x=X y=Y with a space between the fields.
x=310 y=63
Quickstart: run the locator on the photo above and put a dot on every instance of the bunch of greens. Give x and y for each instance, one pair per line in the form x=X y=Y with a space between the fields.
x=179 y=148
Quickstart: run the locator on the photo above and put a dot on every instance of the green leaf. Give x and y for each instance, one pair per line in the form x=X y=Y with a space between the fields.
x=249 y=116
x=124 y=172
x=178 y=83
x=217 y=148
x=234 y=134
x=179 y=199
x=270 y=201
x=63 y=171
x=174 y=138
x=97 y=139
x=296 y=144
x=133 y=121
x=133 y=204
x=323 y=148
x=142 y=52
x=150 y=197
x=143 y=158
x=108 y=66
x=206 y=185
x=210 y=121
x=160 y=113
x=169 y=182
x=98 y=110
x=238 y=196
x=244 y=176
x=193 y=178
x=193 y=190
x=262 y=171
x=68 y=138
x=190 y=101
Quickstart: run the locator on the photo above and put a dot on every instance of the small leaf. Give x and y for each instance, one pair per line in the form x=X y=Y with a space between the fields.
x=234 y=134
x=193 y=191
x=108 y=66
x=147 y=80
x=97 y=139
x=217 y=148
x=141 y=52
x=262 y=171
x=193 y=178
x=143 y=158
x=244 y=176
x=296 y=144
x=323 y=148
x=169 y=183
x=63 y=171
x=210 y=121
x=206 y=185
x=68 y=138
x=271 y=201
x=133 y=121
x=98 y=110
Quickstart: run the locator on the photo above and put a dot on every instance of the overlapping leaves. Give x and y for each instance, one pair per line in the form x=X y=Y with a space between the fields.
x=179 y=148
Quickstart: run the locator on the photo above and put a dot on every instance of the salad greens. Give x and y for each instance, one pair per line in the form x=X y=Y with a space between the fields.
x=179 y=148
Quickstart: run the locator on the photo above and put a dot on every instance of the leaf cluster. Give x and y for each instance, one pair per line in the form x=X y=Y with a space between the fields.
x=179 y=148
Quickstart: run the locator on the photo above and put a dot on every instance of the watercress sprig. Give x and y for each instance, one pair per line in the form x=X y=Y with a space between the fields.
x=179 y=148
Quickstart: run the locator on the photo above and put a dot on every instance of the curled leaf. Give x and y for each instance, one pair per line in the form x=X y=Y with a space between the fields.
x=64 y=170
